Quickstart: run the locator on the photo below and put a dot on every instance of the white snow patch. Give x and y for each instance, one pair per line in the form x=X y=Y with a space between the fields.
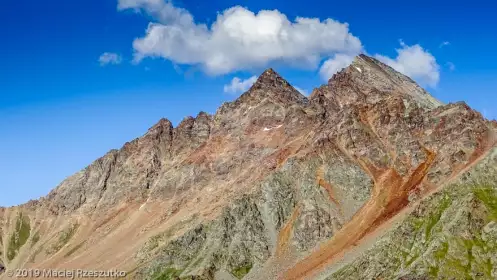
x=143 y=205
x=358 y=69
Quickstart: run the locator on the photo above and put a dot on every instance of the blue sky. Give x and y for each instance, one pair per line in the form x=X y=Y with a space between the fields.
x=63 y=103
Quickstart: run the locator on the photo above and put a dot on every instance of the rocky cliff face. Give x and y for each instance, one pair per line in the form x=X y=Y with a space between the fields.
x=273 y=186
x=450 y=235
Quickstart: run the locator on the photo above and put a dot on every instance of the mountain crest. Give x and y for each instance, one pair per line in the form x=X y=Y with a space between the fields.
x=161 y=125
x=368 y=80
x=271 y=86
x=270 y=79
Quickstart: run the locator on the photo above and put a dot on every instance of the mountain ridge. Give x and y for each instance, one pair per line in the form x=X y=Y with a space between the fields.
x=270 y=172
x=269 y=78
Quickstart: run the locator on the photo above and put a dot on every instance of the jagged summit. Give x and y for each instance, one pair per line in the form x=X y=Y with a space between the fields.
x=162 y=123
x=367 y=80
x=269 y=72
x=270 y=78
x=271 y=85
x=386 y=78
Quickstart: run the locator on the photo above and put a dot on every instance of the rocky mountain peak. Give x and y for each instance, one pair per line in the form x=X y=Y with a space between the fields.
x=367 y=80
x=270 y=78
x=271 y=86
x=161 y=132
x=162 y=125
x=386 y=79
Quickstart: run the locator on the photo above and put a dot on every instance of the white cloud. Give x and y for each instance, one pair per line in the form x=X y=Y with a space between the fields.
x=109 y=58
x=164 y=11
x=239 y=39
x=416 y=63
x=238 y=85
x=443 y=44
x=334 y=65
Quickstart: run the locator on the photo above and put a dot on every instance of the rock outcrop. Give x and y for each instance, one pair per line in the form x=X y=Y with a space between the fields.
x=450 y=235
x=273 y=186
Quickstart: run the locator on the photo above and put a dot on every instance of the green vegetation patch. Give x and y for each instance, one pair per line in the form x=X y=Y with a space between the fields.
x=19 y=237
x=434 y=218
x=169 y=273
x=161 y=239
x=35 y=239
x=449 y=250
x=68 y=234
x=441 y=253
x=240 y=272
x=63 y=239
x=32 y=258
x=488 y=195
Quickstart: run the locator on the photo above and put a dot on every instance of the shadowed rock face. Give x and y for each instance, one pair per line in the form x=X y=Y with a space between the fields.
x=252 y=190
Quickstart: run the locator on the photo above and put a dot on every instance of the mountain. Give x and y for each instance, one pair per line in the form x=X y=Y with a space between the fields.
x=368 y=178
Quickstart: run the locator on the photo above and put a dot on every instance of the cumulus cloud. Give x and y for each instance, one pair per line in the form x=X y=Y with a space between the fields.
x=239 y=39
x=164 y=11
x=334 y=65
x=416 y=63
x=109 y=58
x=443 y=44
x=238 y=85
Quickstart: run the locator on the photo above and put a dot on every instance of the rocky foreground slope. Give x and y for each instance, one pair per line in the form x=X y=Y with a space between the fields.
x=368 y=178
